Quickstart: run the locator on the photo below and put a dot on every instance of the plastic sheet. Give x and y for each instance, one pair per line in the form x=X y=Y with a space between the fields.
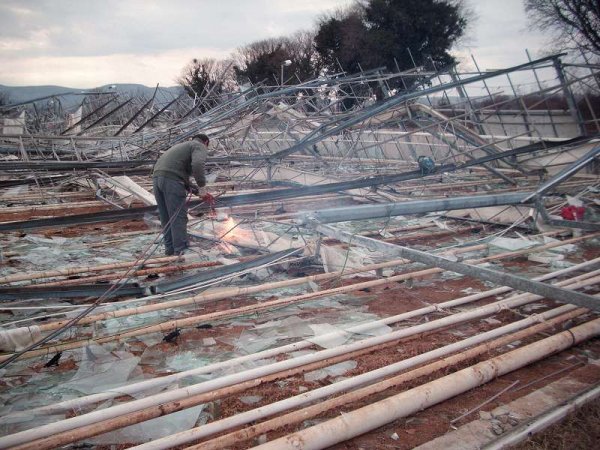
x=567 y=248
x=99 y=370
x=114 y=326
x=185 y=361
x=251 y=399
x=512 y=244
x=336 y=259
x=328 y=336
x=335 y=370
x=269 y=334
x=368 y=328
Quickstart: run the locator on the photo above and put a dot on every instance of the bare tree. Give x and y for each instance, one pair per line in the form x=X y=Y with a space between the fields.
x=576 y=23
x=261 y=61
x=207 y=78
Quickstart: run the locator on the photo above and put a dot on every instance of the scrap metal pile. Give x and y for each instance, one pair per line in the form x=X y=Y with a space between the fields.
x=384 y=267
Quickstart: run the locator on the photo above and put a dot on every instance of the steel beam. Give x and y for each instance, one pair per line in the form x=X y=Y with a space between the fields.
x=106 y=116
x=215 y=274
x=494 y=276
x=280 y=194
x=144 y=106
x=417 y=207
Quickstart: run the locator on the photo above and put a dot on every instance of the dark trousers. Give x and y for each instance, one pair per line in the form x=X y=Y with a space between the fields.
x=171 y=201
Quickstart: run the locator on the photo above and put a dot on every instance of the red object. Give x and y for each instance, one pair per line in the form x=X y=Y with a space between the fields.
x=209 y=200
x=571 y=212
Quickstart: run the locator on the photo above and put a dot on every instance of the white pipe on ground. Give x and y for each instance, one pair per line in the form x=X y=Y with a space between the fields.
x=348 y=384
x=163 y=381
x=229 y=380
x=375 y=415
x=300 y=415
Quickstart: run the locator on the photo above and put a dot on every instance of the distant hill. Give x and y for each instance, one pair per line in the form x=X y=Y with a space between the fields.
x=69 y=99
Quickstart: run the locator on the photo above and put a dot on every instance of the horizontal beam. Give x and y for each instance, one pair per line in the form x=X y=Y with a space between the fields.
x=363 y=212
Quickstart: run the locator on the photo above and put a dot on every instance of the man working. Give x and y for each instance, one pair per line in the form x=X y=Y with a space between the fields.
x=171 y=181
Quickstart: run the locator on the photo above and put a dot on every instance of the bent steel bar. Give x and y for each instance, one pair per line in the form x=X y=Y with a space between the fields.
x=212 y=274
x=321 y=132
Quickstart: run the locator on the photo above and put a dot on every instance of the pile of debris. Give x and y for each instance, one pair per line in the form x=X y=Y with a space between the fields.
x=420 y=270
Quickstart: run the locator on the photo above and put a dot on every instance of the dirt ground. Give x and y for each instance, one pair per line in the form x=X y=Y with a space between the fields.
x=388 y=300
x=580 y=430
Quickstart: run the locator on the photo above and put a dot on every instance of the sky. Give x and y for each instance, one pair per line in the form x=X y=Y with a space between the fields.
x=89 y=43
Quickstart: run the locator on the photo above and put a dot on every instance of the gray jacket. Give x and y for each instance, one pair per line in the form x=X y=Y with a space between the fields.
x=181 y=161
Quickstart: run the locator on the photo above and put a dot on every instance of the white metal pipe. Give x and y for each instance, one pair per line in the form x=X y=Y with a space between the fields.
x=228 y=380
x=164 y=381
x=344 y=385
x=375 y=415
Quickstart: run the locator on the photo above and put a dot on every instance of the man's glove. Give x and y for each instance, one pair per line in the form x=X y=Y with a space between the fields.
x=193 y=190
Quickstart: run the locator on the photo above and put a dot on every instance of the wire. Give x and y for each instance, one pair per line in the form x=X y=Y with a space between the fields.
x=146 y=254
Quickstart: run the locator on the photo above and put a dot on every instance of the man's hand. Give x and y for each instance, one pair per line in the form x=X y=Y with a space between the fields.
x=193 y=190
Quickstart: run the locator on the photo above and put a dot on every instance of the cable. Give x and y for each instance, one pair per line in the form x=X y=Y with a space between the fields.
x=146 y=254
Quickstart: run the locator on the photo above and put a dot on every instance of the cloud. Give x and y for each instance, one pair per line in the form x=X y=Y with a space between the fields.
x=93 y=28
x=88 y=43
x=91 y=71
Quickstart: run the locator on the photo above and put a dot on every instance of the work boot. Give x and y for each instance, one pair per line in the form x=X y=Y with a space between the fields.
x=190 y=254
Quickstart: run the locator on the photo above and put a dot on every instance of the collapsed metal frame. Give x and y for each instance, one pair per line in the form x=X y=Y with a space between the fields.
x=443 y=138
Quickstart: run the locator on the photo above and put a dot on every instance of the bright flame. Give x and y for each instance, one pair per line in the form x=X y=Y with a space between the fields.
x=227 y=229
x=229 y=225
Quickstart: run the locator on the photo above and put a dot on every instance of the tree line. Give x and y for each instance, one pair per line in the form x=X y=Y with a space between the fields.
x=390 y=35
x=394 y=35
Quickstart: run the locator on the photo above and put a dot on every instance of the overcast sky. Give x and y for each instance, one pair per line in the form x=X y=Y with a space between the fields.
x=88 y=43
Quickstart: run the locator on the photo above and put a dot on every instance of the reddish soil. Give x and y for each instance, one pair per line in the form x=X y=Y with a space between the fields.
x=391 y=299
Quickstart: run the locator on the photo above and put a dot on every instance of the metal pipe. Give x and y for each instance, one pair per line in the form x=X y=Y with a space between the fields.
x=306 y=413
x=493 y=276
x=341 y=386
x=156 y=382
x=168 y=326
x=415 y=207
x=375 y=415
x=229 y=380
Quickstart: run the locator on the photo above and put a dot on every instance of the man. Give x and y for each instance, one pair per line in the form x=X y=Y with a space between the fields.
x=171 y=181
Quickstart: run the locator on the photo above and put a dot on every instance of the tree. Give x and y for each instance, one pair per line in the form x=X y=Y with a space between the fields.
x=341 y=40
x=300 y=47
x=206 y=78
x=377 y=33
x=261 y=61
x=428 y=28
x=576 y=23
